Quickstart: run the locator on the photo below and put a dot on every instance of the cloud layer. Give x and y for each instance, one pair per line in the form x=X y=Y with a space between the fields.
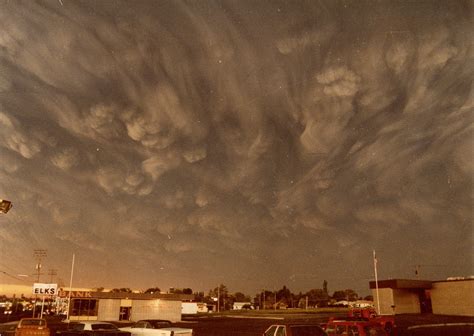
x=283 y=141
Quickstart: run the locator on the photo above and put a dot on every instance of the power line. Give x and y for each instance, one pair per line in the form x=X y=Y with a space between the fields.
x=12 y=276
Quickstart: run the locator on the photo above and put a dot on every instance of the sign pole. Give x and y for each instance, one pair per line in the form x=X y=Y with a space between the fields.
x=376 y=284
x=42 y=307
x=70 y=288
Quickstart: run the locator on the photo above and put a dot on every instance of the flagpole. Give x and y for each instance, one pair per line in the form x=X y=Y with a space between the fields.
x=376 y=284
x=70 y=288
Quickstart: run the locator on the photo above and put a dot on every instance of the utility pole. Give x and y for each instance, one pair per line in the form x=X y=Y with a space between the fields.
x=38 y=254
x=52 y=273
x=218 y=298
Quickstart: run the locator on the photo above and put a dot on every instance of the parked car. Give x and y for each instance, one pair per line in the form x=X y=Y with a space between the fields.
x=92 y=328
x=294 y=329
x=354 y=328
x=32 y=327
x=156 y=328
x=370 y=314
x=8 y=328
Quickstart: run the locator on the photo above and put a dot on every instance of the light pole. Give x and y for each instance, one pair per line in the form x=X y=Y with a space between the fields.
x=39 y=254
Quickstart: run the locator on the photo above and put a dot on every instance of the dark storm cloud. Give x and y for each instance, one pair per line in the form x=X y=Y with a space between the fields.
x=277 y=135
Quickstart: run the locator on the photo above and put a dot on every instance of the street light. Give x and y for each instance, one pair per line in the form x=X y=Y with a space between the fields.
x=5 y=206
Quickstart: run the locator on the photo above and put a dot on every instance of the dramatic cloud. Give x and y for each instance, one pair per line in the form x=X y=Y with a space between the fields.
x=280 y=140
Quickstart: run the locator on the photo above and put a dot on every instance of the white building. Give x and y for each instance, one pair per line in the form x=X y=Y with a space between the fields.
x=108 y=306
x=402 y=296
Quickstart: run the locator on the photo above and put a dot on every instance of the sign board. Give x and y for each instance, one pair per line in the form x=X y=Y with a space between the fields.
x=45 y=289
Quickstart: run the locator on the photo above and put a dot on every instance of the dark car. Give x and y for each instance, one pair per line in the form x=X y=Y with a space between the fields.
x=294 y=329
x=8 y=328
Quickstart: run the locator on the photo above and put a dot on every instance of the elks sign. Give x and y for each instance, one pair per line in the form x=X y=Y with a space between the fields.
x=45 y=289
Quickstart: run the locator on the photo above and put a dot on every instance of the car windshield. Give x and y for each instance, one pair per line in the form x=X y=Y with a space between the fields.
x=160 y=324
x=33 y=322
x=103 y=326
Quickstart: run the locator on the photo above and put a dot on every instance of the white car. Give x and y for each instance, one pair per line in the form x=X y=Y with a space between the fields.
x=156 y=328
x=92 y=325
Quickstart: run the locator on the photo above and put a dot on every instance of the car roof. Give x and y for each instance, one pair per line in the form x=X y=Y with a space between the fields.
x=353 y=322
x=92 y=322
x=297 y=324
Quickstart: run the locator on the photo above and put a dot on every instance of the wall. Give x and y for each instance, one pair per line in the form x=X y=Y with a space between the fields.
x=406 y=301
x=386 y=300
x=453 y=297
x=109 y=310
x=156 y=309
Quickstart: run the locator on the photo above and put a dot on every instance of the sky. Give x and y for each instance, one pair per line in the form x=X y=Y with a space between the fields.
x=254 y=144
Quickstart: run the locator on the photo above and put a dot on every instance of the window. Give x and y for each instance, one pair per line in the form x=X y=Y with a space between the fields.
x=341 y=330
x=271 y=331
x=330 y=329
x=306 y=331
x=103 y=326
x=281 y=331
x=353 y=331
x=84 y=307
x=139 y=324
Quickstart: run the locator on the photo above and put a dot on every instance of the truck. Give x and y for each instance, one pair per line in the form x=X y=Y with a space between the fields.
x=365 y=317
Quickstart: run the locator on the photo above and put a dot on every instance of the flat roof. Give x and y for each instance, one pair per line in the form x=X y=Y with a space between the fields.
x=125 y=295
x=402 y=284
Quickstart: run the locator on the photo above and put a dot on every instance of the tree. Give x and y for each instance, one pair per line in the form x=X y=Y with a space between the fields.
x=325 y=287
x=348 y=295
x=240 y=297
x=121 y=290
x=317 y=297
x=199 y=297
x=284 y=295
x=339 y=295
x=220 y=296
x=187 y=291
x=153 y=290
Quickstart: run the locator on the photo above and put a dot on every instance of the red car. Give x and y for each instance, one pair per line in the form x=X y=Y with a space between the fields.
x=294 y=329
x=354 y=328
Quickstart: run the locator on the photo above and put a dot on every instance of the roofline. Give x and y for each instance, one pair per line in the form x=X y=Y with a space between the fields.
x=402 y=284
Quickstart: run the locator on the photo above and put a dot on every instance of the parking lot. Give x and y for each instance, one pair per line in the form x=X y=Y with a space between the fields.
x=255 y=325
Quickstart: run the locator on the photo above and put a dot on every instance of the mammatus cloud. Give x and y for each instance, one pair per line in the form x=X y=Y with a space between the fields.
x=190 y=135
x=15 y=138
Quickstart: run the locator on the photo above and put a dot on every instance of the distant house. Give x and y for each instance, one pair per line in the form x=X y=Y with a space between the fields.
x=242 y=305
x=194 y=308
x=362 y=304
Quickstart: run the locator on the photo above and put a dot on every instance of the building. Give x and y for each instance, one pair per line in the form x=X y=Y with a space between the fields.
x=453 y=297
x=403 y=296
x=194 y=308
x=108 y=306
x=242 y=305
